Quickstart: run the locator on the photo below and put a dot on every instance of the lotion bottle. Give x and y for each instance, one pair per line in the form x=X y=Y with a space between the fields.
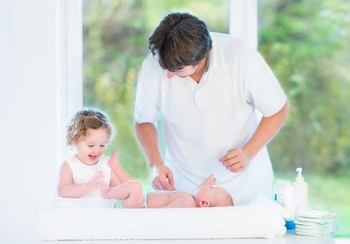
x=301 y=192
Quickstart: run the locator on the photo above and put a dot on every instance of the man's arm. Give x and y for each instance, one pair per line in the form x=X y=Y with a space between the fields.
x=236 y=159
x=147 y=135
x=266 y=131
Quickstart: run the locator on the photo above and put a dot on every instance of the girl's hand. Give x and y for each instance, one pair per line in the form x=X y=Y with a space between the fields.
x=93 y=182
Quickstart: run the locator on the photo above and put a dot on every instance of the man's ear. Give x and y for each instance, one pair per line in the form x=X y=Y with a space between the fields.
x=203 y=204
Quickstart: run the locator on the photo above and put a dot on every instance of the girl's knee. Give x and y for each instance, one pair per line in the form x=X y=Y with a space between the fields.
x=136 y=188
x=135 y=199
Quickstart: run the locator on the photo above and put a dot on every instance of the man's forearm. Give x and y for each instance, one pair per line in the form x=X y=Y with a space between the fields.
x=266 y=131
x=147 y=135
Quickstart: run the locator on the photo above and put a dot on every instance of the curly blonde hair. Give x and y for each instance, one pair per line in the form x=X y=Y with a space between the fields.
x=87 y=118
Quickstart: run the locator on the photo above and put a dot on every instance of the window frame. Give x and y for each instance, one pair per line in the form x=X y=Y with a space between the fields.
x=243 y=20
x=70 y=64
x=243 y=23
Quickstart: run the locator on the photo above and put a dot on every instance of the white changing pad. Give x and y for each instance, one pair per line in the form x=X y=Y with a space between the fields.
x=83 y=202
x=92 y=219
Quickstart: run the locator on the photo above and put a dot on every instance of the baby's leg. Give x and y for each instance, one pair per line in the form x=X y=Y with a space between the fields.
x=104 y=188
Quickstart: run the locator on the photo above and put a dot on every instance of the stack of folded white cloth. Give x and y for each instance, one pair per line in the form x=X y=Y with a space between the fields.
x=316 y=223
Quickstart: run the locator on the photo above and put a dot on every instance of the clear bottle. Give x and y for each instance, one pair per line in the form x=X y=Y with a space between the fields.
x=301 y=192
x=289 y=204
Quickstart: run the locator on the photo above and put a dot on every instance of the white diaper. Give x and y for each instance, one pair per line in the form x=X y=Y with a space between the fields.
x=118 y=203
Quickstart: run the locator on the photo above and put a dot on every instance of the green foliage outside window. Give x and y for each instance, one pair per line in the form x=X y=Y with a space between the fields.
x=307 y=46
x=306 y=43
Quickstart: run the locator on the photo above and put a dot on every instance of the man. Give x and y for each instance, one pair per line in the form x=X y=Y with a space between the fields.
x=210 y=89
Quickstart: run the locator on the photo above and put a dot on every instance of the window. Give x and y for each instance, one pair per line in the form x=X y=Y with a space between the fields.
x=115 y=43
x=306 y=43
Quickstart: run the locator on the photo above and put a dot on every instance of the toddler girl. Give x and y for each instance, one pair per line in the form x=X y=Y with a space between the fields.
x=81 y=174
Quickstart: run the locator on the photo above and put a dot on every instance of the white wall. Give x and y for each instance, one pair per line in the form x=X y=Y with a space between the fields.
x=34 y=80
x=40 y=88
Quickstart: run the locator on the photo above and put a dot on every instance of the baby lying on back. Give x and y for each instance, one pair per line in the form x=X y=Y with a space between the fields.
x=206 y=195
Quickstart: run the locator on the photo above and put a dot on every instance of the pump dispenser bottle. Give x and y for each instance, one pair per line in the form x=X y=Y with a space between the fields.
x=301 y=192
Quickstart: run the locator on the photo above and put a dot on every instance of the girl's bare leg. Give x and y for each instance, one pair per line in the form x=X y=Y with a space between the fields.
x=135 y=196
x=104 y=188
x=113 y=161
x=130 y=191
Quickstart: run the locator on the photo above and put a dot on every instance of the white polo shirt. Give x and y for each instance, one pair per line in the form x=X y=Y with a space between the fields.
x=203 y=121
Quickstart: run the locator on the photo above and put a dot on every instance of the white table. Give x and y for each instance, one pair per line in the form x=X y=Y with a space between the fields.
x=289 y=238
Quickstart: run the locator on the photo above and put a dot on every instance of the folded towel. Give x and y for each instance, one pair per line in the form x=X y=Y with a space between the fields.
x=316 y=223
x=309 y=232
x=308 y=225
x=311 y=220
x=313 y=214
x=315 y=232
x=329 y=228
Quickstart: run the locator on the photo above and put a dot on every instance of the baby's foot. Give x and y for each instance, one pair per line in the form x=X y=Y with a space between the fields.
x=113 y=161
x=104 y=188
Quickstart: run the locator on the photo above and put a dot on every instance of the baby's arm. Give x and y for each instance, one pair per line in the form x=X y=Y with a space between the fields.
x=210 y=181
x=66 y=187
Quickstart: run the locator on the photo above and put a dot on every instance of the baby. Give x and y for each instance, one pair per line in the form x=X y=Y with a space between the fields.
x=205 y=196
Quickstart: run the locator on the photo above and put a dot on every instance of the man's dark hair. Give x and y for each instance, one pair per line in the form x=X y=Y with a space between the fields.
x=180 y=39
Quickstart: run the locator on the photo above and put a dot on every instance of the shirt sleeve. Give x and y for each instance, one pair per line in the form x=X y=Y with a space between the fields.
x=263 y=89
x=147 y=103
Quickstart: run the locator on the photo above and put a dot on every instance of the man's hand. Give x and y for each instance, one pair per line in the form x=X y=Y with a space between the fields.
x=235 y=160
x=163 y=178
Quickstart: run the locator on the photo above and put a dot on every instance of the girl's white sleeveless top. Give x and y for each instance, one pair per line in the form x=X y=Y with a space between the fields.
x=82 y=173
